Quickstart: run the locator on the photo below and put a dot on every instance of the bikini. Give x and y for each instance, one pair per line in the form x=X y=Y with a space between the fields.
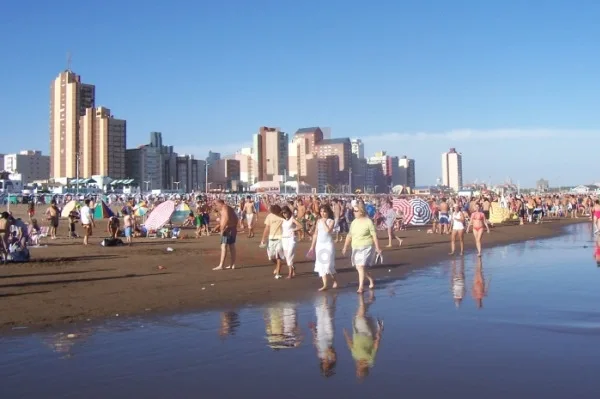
x=477 y=216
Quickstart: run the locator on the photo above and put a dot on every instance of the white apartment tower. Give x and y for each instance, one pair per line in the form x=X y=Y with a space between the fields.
x=452 y=170
x=358 y=148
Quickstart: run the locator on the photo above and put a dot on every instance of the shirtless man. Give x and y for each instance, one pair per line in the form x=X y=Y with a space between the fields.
x=129 y=225
x=228 y=228
x=486 y=206
x=52 y=217
x=250 y=211
x=301 y=217
x=444 y=218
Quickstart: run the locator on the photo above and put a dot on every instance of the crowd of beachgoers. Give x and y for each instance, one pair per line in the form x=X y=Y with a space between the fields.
x=353 y=220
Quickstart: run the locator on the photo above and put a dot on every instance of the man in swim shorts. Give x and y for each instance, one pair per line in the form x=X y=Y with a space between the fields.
x=444 y=217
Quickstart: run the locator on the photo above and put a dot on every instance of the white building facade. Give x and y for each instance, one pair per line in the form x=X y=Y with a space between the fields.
x=31 y=165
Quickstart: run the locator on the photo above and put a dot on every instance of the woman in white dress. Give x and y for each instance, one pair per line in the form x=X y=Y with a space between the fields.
x=322 y=247
x=323 y=333
x=365 y=245
x=289 y=228
x=458 y=229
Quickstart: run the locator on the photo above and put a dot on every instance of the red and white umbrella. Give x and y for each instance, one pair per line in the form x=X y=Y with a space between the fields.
x=160 y=215
x=403 y=206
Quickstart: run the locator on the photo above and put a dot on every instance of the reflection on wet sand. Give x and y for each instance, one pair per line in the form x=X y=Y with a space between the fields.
x=230 y=321
x=366 y=337
x=480 y=285
x=281 y=324
x=458 y=287
x=597 y=251
x=64 y=344
x=323 y=333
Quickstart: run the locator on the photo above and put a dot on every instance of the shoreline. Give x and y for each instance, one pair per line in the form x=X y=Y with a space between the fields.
x=93 y=284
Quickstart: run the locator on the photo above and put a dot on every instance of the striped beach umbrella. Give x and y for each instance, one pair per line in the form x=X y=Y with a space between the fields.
x=182 y=211
x=403 y=206
x=421 y=212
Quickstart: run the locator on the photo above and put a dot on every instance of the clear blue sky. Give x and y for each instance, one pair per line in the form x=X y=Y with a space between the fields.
x=512 y=85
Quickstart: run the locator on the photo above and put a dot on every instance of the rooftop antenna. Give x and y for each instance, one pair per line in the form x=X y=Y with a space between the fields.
x=69 y=61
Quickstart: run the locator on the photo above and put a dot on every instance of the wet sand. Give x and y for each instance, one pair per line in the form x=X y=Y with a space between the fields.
x=67 y=282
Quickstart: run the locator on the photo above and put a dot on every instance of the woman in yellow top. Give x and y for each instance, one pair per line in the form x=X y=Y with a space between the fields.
x=365 y=245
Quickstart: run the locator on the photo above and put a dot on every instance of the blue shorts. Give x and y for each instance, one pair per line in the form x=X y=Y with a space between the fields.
x=444 y=219
x=206 y=219
x=228 y=238
x=127 y=231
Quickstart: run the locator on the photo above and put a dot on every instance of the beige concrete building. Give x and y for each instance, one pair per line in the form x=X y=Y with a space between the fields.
x=31 y=165
x=452 y=170
x=103 y=141
x=271 y=149
x=306 y=141
x=69 y=99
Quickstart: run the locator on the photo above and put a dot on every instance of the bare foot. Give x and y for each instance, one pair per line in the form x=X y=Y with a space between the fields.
x=479 y=254
x=451 y=253
x=388 y=246
x=360 y=291
x=218 y=268
x=371 y=284
x=230 y=267
x=323 y=288
x=399 y=242
x=334 y=285
x=461 y=254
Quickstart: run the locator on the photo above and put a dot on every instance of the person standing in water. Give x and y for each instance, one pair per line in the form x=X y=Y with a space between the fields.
x=273 y=230
x=390 y=221
x=365 y=245
x=458 y=229
x=323 y=248
x=478 y=221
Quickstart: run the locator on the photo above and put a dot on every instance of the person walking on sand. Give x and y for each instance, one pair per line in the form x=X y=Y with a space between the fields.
x=273 y=230
x=87 y=221
x=250 y=211
x=478 y=221
x=289 y=227
x=365 y=245
x=458 y=229
x=323 y=248
x=390 y=221
x=228 y=222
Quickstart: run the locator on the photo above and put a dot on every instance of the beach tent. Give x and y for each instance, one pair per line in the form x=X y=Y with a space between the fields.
x=182 y=211
x=102 y=211
x=69 y=207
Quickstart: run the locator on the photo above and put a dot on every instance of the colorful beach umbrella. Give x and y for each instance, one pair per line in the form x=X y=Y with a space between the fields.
x=140 y=211
x=102 y=211
x=160 y=215
x=421 y=212
x=68 y=208
x=403 y=206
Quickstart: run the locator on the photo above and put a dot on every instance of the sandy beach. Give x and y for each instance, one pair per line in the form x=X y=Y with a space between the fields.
x=66 y=282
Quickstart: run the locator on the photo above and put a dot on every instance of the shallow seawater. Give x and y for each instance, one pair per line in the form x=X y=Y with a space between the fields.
x=525 y=322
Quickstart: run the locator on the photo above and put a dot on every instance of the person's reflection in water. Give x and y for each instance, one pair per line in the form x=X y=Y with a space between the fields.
x=597 y=252
x=365 y=339
x=230 y=321
x=282 y=327
x=458 y=282
x=323 y=334
x=480 y=286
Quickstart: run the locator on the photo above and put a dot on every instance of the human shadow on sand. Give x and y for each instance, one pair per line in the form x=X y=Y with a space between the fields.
x=23 y=293
x=79 y=280
x=60 y=259
x=55 y=274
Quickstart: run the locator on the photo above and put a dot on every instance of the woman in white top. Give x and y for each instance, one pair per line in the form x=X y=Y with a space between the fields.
x=458 y=229
x=288 y=238
x=323 y=334
x=322 y=247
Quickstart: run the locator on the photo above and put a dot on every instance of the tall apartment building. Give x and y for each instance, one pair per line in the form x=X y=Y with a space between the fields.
x=406 y=172
x=224 y=174
x=341 y=151
x=389 y=166
x=358 y=148
x=189 y=173
x=103 y=141
x=248 y=166
x=144 y=165
x=31 y=165
x=452 y=170
x=69 y=98
x=306 y=140
x=271 y=148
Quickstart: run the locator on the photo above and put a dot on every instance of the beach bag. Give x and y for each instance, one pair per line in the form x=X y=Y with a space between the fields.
x=17 y=254
x=111 y=242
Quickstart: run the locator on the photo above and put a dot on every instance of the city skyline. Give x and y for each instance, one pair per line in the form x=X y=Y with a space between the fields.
x=439 y=79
